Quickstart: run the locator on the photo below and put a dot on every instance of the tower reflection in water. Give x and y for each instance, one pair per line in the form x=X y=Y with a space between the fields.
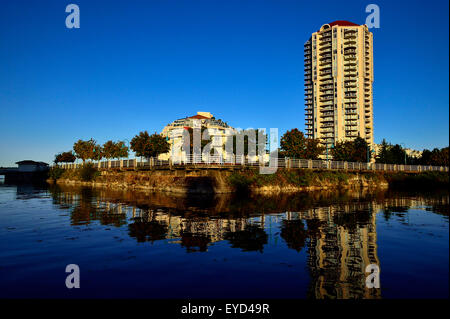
x=337 y=230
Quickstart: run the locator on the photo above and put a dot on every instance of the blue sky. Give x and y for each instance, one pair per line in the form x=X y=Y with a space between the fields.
x=138 y=65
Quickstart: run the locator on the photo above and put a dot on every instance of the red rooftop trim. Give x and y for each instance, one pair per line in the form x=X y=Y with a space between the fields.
x=199 y=117
x=343 y=23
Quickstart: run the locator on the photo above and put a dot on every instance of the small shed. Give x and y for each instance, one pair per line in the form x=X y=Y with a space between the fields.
x=32 y=166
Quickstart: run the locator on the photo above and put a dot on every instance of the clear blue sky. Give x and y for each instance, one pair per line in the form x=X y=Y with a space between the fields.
x=138 y=65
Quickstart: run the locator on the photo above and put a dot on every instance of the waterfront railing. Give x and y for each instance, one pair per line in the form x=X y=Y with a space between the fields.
x=217 y=161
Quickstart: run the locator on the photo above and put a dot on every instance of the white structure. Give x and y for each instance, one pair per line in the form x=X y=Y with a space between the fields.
x=218 y=131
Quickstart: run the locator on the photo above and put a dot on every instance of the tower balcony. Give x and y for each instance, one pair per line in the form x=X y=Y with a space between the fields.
x=350 y=57
x=325 y=62
x=327 y=98
x=324 y=51
x=327 y=119
x=326 y=87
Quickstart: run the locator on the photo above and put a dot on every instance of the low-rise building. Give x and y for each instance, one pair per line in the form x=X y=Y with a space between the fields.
x=32 y=166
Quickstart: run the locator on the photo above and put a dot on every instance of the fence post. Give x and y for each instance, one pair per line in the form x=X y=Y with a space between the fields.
x=310 y=164
x=170 y=163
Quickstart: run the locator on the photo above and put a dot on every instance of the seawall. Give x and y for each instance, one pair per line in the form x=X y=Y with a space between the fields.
x=225 y=181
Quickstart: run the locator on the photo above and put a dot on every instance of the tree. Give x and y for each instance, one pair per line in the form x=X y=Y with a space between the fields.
x=97 y=154
x=294 y=144
x=67 y=157
x=351 y=151
x=360 y=150
x=121 y=150
x=115 y=150
x=84 y=149
x=145 y=145
x=391 y=154
x=57 y=159
x=109 y=149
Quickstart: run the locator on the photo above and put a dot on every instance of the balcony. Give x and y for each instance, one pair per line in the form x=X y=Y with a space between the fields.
x=325 y=61
x=326 y=72
x=350 y=57
x=325 y=87
x=328 y=119
x=349 y=51
x=351 y=68
x=308 y=52
x=324 y=51
x=326 y=109
x=326 y=98
x=350 y=42
x=350 y=84
x=327 y=92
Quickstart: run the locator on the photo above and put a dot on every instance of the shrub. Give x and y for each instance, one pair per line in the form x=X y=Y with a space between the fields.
x=55 y=172
x=240 y=182
x=88 y=173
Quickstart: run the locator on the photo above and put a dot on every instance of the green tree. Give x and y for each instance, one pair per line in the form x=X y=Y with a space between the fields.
x=67 y=157
x=293 y=143
x=109 y=149
x=391 y=154
x=360 y=149
x=97 y=153
x=84 y=150
x=351 y=151
x=115 y=150
x=121 y=150
x=145 y=145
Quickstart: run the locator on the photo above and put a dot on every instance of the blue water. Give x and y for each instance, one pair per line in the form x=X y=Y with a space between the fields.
x=140 y=245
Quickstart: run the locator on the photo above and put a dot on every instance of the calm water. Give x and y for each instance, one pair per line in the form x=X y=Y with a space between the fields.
x=130 y=244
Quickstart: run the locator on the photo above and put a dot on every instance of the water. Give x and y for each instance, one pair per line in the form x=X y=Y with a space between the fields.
x=143 y=245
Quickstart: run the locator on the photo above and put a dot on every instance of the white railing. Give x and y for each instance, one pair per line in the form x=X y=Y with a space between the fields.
x=252 y=161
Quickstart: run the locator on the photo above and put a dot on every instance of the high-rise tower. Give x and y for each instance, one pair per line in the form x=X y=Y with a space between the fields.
x=338 y=83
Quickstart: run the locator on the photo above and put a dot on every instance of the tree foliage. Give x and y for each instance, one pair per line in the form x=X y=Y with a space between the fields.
x=294 y=144
x=85 y=150
x=351 y=151
x=436 y=157
x=391 y=154
x=147 y=146
x=115 y=150
x=64 y=157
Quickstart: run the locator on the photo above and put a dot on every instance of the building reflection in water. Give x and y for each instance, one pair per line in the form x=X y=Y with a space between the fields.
x=337 y=230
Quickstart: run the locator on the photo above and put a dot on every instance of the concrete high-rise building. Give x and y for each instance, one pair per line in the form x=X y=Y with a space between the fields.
x=338 y=83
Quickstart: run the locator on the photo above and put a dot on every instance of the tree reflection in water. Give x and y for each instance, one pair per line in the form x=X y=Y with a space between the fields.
x=337 y=230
